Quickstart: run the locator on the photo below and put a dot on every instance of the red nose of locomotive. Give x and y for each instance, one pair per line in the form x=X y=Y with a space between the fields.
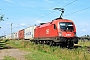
x=67 y=29
x=67 y=34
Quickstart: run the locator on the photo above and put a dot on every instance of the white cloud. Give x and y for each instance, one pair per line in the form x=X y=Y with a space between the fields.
x=21 y=4
x=17 y=26
x=7 y=23
x=33 y=6
x=10 y=1
x=38 y=21
x=87 y=24
x=83 y=30
x=26 y=5
x=22 y=24
x=48 y=1
x=65 y=1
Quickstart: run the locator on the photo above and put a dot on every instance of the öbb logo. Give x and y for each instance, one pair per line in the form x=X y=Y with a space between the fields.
x=47 y=31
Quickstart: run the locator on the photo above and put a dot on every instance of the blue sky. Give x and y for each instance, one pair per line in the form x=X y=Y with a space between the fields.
x=24 y=13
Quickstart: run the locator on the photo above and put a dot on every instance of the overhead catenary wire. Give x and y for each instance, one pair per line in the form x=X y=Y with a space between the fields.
x=45 y=15
x=69 y=3
x=53 y=11
x=78 y=11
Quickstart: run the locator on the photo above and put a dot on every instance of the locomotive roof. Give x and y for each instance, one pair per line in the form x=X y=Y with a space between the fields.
x=63 y=20
x=53 y=21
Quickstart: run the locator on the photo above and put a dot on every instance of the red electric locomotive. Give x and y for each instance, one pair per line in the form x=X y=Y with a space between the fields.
x=59 y=31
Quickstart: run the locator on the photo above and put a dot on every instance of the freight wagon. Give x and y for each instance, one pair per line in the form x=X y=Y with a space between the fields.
x=16 y=36
x=29 y=33
x=21 y=34
x=8 y=36
x=13 y=36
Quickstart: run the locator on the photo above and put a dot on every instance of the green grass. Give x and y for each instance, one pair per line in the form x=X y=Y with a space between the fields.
x=3 y=44
x=37 y=55
x=40 y=52
x=83 y=44
x=9 y=58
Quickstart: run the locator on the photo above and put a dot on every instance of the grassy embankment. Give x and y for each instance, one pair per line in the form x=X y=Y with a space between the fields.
x=40 y=52
x=9 y=58
x=3 y=44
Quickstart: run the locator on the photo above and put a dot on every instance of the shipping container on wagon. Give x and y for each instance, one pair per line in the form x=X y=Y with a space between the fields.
x=21 y=34
x=16 y=36
x=3 y=37
x=8 y=36
x=29 y=33
x=13 y=35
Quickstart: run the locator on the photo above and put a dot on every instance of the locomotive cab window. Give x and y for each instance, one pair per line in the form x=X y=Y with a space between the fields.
x=66 y=26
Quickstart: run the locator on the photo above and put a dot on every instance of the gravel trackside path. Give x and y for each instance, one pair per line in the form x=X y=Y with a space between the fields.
x=16 y=53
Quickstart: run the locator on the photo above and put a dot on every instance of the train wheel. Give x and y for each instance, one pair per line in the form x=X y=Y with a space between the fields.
x=70 y=45
x=47 y=42
x=63 y=45
x=51 y=43
x=42 y=42
x=54 y=43
x=39 y=42
x=36 y=42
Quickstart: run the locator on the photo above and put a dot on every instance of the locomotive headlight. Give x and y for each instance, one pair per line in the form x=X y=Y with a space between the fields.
x=60 y=34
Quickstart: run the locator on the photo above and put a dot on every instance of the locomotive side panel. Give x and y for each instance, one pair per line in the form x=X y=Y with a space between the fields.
x=46 y=31
x=36 y=32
